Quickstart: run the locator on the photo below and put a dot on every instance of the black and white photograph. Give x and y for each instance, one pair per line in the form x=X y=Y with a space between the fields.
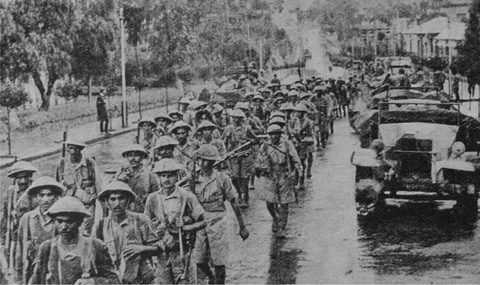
x=239 y=142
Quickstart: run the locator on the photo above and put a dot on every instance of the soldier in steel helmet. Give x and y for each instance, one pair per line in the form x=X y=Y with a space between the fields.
x=183 y=152
x=177 y=216
x=205 y=129
x=15 y=203
x=277 y=163
x=164 y=148
x=35 y=226
x=213 y=189
x=149 y=139
x=304 y=133
x=241 y=168
x=70 y=257
x=130 y=237
x=323 y=107
x=78 y=173
x=137 y=177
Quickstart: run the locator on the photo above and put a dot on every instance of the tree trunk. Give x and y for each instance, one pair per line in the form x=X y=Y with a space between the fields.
x=9 y=132
x=89 y=91
x=44 y=94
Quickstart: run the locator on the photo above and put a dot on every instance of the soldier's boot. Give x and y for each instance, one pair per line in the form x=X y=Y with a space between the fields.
x=272 y=209
x=246 y=196
x=252 y=183
x=309 y=165
x=220 y=274
x=208 y=271
x=282 y=225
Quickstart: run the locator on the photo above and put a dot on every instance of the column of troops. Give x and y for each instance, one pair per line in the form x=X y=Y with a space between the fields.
x=162 y=218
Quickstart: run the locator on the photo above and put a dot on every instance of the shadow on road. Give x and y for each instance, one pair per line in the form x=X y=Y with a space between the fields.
x=283 y=263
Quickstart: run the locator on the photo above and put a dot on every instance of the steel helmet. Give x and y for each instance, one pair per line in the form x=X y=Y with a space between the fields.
x=301 y=108
x=208 y=152
x=258 y=98
x=117 y=186
x=277 y=114
x=175 y=113
x=287 y=107
x=135 y=148
x=242 y=106
x=377 y=145
x=184 y=100
x=277 y=120
x=68 y=205
x=293 y=93
x=206 y=124
x=237 y=113
x=274 y=129
x=75 y=143
x=46 y=182
x=163 y=116
x=167 y=165
x=198 y=104
x=165 y=141
x=249 y=95
x=278 y=93
x=179 y=125
x=217 y=108
x=21 y=166
x=305 y=95
x=150 y=122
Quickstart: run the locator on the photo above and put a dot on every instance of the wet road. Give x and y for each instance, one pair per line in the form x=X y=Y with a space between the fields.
x=325 y=242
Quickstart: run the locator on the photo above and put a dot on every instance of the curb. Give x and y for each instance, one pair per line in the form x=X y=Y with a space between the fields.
x=59 y=150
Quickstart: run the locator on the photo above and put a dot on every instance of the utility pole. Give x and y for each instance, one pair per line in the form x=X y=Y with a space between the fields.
x=124 y=88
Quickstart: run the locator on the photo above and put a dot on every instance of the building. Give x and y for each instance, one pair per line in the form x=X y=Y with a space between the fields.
x=438 y=37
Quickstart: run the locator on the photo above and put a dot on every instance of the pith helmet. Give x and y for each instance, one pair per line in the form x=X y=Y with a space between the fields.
x=237 y=113
x=45 y=182
x=278 y=93
x=242 y=106
x=278 y=99
x=287 y=107
x=68 y=205
x=184 y=100
x=163 y=116
x=117 y=186
x=75 y=143
x=150 y=122
x=167 y=165
x=248 y=95
x=258 y=98
x=175 y=113
x=208 y=152
x=135 y=148
x=277 y=120
x=293 y=93
x=277 y=114
x=178 y=125
x=272 y=129
x=305 y=95
x=21 y=166
x=198 y=104
x=217 y=108
x=319 y=88
x=301 y=108
x=165 y=141
x=206 y=124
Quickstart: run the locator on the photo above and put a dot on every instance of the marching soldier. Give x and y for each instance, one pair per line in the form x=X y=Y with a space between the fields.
x=176 y=116
x=304 y=132
x=241 y=168
x=177 y=216
x=70 y=257
x=16 y=202
x=342 y=97
x=293 y=97
x=323 y=108
x=183 y=152
x=79 y=175
x=149 y=138
x=162 y=121
x=164 y=148
x=259 y=109
x=218 y=118
x=141 y=182
x=205 y=129
x=277 y=162
x=35 y=226
x=188 y=115
x=130 y=237
x=212 y=190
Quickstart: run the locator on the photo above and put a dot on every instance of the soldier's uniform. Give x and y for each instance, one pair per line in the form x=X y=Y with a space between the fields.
x=163 y=210
x=184 y=153
x=140 y=180
x=34 y=228
x=304 y=133
x=323 y=112
x=241 y=168
x=218 y=143
x=81 y=181
x=278 y=163
x=148 y=140
x=87 y=259
x=135 y=229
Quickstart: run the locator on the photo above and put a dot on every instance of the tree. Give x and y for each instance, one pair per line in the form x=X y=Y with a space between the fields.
x=68 y=91
x=470 y=49
x=11 y=97
x=40 y=42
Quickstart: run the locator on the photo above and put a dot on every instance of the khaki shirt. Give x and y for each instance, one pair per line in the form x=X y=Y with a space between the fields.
x=142 y=183
x=183 y=154
x=213 y=191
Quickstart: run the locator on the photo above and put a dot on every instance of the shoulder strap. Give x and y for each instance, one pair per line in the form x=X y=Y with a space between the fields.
x=100 y=229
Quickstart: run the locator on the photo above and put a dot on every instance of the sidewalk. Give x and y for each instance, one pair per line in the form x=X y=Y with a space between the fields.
x=37 y=146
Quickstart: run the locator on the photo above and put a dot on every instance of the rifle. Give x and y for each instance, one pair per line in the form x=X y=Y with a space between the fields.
x=193 y=180
x=138 y=134
x=239 y=151
x=289 y=166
